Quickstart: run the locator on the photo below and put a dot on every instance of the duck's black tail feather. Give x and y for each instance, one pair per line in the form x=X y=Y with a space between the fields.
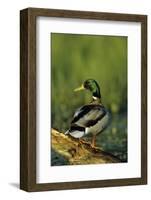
x=76 y=131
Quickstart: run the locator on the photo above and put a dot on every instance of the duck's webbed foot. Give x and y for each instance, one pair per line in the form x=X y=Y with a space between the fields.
x=93 y=142
x=93 y=145
x=82 y=141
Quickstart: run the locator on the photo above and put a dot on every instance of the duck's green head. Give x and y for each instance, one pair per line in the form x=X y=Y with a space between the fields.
x=92 y=86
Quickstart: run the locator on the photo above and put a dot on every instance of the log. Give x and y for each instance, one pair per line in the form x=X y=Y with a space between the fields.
x=74 y=152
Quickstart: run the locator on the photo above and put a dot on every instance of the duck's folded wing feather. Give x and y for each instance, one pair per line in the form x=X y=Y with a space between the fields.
x=88 y=115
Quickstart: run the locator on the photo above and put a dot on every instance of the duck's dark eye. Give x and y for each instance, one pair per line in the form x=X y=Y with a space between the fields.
x=86 y=84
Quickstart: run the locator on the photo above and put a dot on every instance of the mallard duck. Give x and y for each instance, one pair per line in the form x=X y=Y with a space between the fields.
x=91 y=118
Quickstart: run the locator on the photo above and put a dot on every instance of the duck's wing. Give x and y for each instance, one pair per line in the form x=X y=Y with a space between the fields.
x=88 y=115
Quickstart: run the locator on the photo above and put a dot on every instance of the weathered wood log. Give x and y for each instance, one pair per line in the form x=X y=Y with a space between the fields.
x=75 y=152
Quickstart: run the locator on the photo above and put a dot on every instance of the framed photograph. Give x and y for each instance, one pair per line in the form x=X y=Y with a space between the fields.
x=83 y=99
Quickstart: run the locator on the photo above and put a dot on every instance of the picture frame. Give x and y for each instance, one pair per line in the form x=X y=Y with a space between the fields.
x=28 y=98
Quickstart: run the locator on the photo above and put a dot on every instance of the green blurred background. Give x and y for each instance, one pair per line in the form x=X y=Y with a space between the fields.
x=76 y=58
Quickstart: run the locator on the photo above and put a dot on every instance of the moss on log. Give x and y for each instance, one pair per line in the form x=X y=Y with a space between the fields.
x=72 y=152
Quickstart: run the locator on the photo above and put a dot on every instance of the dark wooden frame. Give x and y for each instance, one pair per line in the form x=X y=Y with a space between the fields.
x=28 y=98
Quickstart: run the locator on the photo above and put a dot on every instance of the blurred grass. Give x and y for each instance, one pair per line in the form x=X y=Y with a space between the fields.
x=76 y=58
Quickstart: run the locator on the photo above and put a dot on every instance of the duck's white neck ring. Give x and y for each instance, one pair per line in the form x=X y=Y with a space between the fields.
x=95 y=98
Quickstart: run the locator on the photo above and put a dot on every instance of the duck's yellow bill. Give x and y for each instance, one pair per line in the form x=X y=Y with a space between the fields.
x=79 y=88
